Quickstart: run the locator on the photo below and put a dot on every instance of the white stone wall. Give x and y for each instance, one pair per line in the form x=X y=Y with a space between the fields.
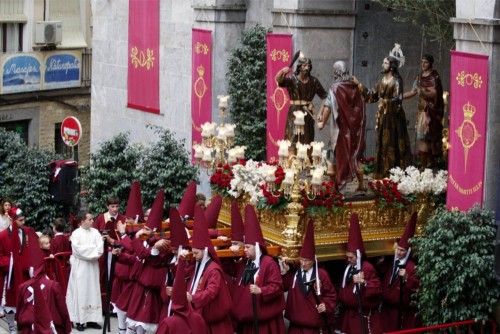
x=110 y=114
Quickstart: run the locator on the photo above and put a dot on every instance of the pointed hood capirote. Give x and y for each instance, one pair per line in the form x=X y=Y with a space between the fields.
x=237 y=227
x=134 y=208
x=156 y=215
x=253 y=233
x=212 y=211
x=308 y=250
x=355 y=240
x=201 y=238
x=409 y=232
x=186 y=206
x=178 y=234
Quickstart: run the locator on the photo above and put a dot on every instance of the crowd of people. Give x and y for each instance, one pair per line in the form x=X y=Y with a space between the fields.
x=167 y=277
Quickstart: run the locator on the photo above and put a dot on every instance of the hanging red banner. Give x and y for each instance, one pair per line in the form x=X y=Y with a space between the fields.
x=201 y=81
x=467 y=132
x=143 y=55
x=279 y=55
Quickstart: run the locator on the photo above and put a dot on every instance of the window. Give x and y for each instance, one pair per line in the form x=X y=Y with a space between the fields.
x=11 y=36
x=20 y=127
x=60 y=147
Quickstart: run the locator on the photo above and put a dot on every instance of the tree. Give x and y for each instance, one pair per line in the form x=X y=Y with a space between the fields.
x=24 y=179
x=166 y=165
x=247 y=87
x=456 y=267
x=111 y=171
x=434 y=15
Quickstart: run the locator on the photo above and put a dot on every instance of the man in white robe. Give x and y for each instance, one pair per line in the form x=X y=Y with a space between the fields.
x=84 y=294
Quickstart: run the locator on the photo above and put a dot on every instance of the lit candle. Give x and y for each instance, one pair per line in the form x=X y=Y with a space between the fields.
x=302 y=150
x=221 y=133
x=299 y=117
x=198 y=151
x=223 y=101
x=316 y=148
x=289 y=176
x=317 y=176
x=284 y=146
x=232 y=155
x=208 y=129
x=207 y=154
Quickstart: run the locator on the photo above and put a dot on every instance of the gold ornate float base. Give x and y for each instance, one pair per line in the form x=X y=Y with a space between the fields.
x=380 y=227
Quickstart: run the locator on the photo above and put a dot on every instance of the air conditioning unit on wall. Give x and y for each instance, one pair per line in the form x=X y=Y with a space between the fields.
x=48 y=32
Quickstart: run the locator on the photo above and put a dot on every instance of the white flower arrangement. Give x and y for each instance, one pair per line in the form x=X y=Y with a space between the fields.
x=412 y=181
x=248 y=179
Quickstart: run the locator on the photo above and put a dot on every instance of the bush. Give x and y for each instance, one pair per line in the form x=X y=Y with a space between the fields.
x=247 y=87
x=456 y=267
x=166 y=165
x=24 y=178
x=111 y=171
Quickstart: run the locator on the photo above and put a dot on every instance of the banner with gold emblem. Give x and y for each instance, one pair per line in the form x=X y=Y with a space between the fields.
x=201 y=81
x=468 y=117
x=143 y=55
x=279 y=54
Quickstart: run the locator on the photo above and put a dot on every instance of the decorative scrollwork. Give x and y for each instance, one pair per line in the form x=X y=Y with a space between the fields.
x=201 y=48
x=139 y=58
x=469 y=79
x=282 y=55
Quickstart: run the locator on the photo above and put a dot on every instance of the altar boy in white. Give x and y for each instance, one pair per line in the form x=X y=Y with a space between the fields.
x=84 y=294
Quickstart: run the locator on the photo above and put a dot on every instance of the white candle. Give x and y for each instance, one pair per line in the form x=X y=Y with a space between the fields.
x=299 y=117
x=289 y=176
x=232 y=155
x=198 y=151
x=302 y=151
x=316 y=148
x=207 y=154
x=284 y=146
x=221 y=133
x=317 y=176
x=223 y=101
x=208 y=129
x=230 y=130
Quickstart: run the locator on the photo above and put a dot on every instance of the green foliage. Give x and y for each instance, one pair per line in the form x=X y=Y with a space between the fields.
x=247 y=87
x=24 y=178
x=433 y=15
x=112 y=169
x=166 y=165
x=456 y=267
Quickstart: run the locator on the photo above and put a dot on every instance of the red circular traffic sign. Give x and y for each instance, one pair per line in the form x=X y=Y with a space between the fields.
x=71 y=131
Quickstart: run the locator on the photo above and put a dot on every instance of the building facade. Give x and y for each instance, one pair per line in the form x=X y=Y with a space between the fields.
x=45 y=66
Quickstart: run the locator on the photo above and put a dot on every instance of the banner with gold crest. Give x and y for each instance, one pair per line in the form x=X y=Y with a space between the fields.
x=468 y=119
x=143 y=55
x=201 y=81
x=279 y=54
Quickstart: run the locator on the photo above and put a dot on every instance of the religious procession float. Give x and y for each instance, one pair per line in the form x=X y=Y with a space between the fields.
x=297 y=187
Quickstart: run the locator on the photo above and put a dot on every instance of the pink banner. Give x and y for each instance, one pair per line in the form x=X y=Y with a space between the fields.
x=467 y=132
x=143 y=55
x=201 y=73
x=279 y=54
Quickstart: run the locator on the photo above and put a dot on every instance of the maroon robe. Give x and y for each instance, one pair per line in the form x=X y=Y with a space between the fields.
x=370 y=294
x=301 y=309
x=212 y=299
x=270 y=303
x=351 y=122
x=54 y=299
x=391 y=300
x=60 y=243
x=122 y=284
x=11 y=245
x=145 y=299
